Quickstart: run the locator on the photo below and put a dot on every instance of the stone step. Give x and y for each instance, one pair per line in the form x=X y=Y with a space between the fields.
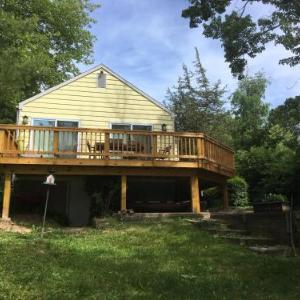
x=248 y=240
x=232 y=219
x=229 y=231
x=272 y=250
x=208 y=224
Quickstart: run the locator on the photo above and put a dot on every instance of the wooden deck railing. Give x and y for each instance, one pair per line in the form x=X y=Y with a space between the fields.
x=106 y=144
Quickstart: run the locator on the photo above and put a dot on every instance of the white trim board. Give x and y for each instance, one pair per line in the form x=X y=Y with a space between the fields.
x=98 y=67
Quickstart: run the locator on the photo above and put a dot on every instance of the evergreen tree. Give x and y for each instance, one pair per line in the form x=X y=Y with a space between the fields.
x=197 y=104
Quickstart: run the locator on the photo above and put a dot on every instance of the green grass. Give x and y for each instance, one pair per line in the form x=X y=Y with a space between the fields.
x=168 y=259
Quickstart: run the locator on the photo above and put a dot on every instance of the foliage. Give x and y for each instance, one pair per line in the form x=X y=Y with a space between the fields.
x=103 y=191
x=265 y=150
x=212 y=196
x=287 y=115
x=275 y=198
x=267 y=169
x=167 y=259
x=40 y=44
x=249 y=112
x=197 y=104
x=244 y=34
x=238 y=191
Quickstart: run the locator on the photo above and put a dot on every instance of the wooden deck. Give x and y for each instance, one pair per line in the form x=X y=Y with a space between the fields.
x=90 y=151
x=28 y=148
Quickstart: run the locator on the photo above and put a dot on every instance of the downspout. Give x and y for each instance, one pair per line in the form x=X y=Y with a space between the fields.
x=18 y=115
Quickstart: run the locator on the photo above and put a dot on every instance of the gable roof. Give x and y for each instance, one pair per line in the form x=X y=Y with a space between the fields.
x=96 y=68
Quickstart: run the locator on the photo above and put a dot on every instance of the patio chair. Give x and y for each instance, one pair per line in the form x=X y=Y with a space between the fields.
x=164 y=151
x=92 y=149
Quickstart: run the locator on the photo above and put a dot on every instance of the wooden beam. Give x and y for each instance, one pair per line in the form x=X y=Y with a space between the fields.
x=115 y=163
x=195 y=195
x=89 y=170
x=123 y=192
x=6 y=196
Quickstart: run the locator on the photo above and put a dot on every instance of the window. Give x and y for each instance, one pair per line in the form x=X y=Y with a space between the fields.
x=143 y=140
x=142 y=127
x=101 y=80
x=124 y=137
x=43 y=140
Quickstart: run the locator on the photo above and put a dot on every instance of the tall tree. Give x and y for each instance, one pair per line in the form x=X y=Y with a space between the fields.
x=244 y=35
x=250 y=112
x=197 y=104
x=269 y=168
x=287 y=115
x=41 y=41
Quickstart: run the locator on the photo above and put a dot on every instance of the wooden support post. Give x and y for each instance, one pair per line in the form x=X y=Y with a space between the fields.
x=195 y=194
x=6 y=196
x=123 y=192
x=225 y=196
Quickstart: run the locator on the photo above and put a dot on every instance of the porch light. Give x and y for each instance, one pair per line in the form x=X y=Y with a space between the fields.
x=164 y=127
x=25 y=120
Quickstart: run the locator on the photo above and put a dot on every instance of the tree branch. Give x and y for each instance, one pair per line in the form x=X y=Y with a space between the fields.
x=244 y=8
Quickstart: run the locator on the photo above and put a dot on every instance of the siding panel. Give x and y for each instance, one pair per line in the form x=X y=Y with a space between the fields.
x=82 y=100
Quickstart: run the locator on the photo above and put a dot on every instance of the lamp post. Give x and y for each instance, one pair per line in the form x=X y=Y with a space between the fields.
x=50 y=181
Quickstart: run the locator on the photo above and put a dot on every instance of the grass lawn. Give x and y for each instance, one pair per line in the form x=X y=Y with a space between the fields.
x=168 y=259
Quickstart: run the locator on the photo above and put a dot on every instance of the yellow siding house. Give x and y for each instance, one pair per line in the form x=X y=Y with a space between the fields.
x=98 y=129
x=98 y=98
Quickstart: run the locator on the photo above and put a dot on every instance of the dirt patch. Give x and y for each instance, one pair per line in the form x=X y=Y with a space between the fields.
x=12 y=227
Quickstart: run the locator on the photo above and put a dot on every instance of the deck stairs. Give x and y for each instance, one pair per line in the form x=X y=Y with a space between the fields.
x=232 y=228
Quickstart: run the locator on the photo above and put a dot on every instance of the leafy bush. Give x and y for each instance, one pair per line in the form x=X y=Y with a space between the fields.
x=212 y=197
x=275 y=198
x=238 y=192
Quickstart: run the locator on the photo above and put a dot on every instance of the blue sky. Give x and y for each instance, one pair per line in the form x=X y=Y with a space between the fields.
x=147 y=41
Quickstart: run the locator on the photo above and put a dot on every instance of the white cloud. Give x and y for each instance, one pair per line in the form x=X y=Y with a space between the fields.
x=148 y=41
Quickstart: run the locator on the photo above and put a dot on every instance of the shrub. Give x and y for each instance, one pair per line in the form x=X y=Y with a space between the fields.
x=238 y=192
x=275 y=198
x=212 y=197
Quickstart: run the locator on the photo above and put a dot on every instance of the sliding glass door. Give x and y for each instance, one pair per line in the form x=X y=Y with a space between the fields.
x=67 y=141
x=43 y=139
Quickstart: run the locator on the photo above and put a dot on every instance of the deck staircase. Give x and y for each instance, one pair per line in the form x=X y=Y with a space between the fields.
x=233 y=228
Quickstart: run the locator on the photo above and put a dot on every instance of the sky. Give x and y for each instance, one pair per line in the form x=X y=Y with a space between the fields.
x=147 y=41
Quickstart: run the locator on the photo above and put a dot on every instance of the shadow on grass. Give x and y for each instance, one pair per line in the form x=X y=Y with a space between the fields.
x=145 y=260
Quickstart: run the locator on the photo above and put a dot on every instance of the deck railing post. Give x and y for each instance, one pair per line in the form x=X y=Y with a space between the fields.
x=106 y=145
x=6 y=196
x=2 y=141
x=154 y=146
x=199 y=148
x=55 y=142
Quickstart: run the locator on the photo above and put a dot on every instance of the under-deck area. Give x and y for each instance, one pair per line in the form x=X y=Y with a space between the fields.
x=157 y=171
